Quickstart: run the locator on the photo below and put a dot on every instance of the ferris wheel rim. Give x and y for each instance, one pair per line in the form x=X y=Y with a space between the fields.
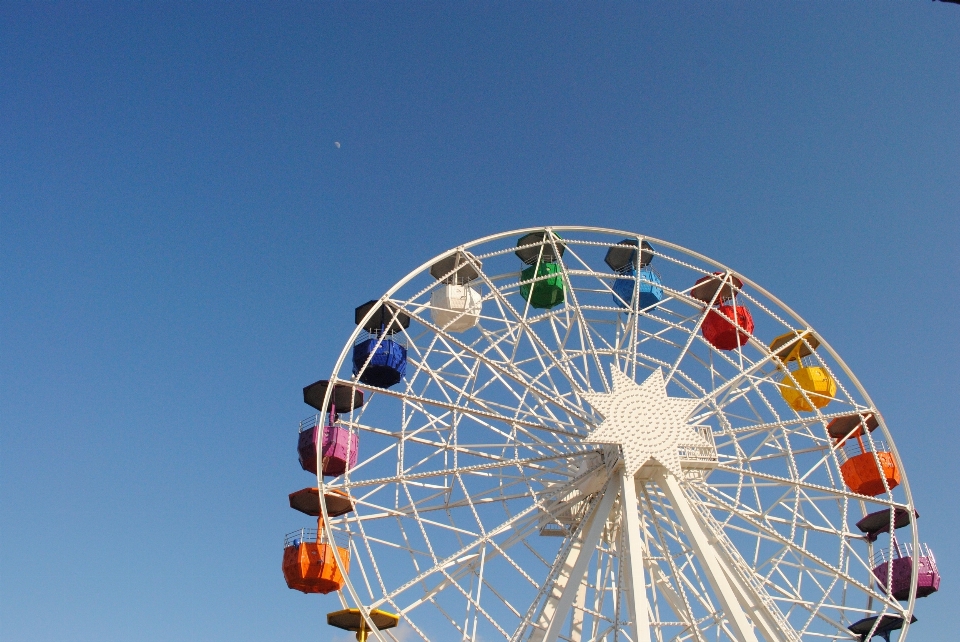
x=613 y=232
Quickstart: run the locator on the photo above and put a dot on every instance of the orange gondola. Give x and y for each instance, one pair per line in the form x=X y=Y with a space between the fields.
x=309 y=565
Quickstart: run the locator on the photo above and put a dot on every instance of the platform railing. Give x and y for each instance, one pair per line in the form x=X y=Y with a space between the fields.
x=898 y=551
x=851 y=448
x=699 y=454
x=397 y=338
x=318 y=419
x=310 y=536
x=311 y=422
x=634 y=274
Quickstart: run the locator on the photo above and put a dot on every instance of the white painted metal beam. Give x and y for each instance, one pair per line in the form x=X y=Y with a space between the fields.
x=576 y=618
x=561 y=597
x=736 y=617
x=769 y=622
x=636 y=588
x=662 y=583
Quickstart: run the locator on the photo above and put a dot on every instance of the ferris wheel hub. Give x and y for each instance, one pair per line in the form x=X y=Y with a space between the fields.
x=649 y=426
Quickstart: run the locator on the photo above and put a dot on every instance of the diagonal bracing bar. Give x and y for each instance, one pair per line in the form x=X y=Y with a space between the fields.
x=772 y=629
x=561 y=598
x=736 y=617
x=770 y=622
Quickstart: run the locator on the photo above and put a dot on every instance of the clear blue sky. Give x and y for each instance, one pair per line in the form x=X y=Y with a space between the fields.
x=182 y=245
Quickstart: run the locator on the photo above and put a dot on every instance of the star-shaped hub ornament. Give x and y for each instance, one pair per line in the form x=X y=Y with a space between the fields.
x=644 y=422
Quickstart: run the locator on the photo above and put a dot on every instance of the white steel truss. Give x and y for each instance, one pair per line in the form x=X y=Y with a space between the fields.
x=481 y=513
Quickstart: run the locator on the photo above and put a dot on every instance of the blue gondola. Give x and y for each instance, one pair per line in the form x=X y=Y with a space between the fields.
x=388 y=363
x=379 y=354
x=651 y=290
x=625 y=260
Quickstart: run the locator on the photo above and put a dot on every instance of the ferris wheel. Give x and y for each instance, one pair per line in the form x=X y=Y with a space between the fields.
x=580 y=434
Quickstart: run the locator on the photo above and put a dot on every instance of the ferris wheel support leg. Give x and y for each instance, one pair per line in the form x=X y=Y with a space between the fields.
x=561 y=598
x=576 y=619
x=636 y=587
x=770 y=627
x=742 y=628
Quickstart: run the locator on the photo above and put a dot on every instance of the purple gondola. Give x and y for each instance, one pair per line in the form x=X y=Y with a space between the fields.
x=896 y=581
x=338 y=446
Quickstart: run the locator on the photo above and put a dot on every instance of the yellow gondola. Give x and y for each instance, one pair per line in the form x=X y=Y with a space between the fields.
x=808 y=386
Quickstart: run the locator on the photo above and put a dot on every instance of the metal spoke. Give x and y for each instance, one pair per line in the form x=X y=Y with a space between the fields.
x=480 y=512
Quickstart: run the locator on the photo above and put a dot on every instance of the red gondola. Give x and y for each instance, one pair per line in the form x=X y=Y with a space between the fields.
x=726 y=326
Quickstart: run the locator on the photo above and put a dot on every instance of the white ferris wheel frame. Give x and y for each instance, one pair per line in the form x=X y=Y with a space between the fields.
x=743 y=605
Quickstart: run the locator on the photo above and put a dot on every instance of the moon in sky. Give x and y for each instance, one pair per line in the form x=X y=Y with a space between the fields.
x=337 y=143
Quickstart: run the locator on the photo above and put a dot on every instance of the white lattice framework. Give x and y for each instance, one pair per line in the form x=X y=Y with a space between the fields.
x=482 y=513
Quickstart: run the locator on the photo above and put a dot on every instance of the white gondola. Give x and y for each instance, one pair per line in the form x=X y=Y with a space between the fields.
x=455 y=305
